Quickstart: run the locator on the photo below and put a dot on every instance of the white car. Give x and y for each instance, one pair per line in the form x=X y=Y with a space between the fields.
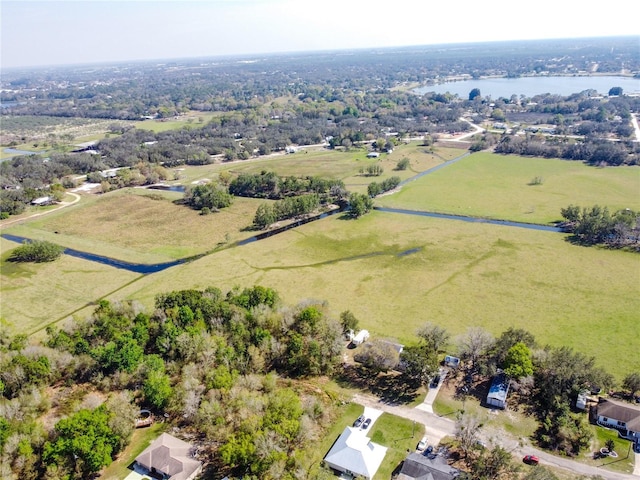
x=422 y=444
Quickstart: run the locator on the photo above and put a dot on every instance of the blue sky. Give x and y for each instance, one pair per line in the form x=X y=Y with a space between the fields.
x=48 y=32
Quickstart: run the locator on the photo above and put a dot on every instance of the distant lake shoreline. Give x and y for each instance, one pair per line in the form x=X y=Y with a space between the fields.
x=531 y=86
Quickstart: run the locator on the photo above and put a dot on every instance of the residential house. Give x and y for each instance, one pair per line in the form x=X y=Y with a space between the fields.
x=623 y=416
x=497 y=396
x=354 y=453
x=171 y=458
x=420 y=467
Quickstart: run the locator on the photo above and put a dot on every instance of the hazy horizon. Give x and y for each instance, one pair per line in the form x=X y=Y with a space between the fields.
x=59 y=33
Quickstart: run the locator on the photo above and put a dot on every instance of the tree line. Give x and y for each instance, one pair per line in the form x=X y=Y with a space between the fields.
x=597 y=226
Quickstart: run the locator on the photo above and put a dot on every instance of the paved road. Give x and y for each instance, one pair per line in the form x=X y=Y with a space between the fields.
x=439 y=427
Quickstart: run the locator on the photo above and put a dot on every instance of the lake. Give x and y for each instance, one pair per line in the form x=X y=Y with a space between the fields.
x=530 y=86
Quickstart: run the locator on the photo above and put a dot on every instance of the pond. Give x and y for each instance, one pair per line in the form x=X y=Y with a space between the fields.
x=531 y=86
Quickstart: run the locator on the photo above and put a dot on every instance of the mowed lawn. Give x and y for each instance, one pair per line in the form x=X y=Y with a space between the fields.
x=35 y=294
x=396 y=272
x=499 y=186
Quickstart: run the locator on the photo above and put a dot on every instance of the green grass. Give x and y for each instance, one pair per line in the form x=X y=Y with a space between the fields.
x=459 y=274
x=462 y=275
x=497 y=186
x=625 y=460
x=34 y=295
x=143 y=226
x=400 y=436
x=141 y=439
x=338 y=164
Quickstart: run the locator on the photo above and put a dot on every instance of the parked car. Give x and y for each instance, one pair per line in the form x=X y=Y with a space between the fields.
x=422 y=444
x=435 y=381
x=358 y=421
x=531 y=460
x=429 y=451
x=366 y=424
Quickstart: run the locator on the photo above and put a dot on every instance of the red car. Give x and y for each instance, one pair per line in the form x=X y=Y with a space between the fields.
x=531 y=460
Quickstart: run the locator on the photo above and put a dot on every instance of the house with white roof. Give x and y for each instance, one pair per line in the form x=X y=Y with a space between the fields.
x=354 y=453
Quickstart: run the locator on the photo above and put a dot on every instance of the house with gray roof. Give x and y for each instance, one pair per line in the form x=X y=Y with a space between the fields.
x=623 y=416
x=170 y=458
x=420 y=467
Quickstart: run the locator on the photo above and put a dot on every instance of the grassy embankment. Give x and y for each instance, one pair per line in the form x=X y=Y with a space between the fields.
x=460 y=274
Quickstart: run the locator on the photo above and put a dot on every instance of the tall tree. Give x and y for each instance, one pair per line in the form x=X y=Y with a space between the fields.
x=434 y=336
x=518 y=363
x=83 y=441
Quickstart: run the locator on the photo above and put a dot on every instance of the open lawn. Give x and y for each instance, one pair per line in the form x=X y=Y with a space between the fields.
x=35 y=294
x=396 y=272
x=497 y=186
x=399 y=435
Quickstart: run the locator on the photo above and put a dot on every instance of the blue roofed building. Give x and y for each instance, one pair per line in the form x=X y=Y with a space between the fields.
x=497 y=396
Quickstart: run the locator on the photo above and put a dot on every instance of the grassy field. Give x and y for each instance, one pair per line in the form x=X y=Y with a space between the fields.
x=34 y=295
x=497 y=186
x=139 y=225
x=394 y=272
x=189 y=120
x=338 y=164
x=459 y=275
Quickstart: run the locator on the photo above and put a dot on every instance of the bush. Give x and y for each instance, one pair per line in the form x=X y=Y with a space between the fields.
x=36 y=251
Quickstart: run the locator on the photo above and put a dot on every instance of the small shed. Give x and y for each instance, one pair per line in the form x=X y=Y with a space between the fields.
x=452 y=362
x=40 y=201
x=581 y=401
x=497 y=396
x=361 y=337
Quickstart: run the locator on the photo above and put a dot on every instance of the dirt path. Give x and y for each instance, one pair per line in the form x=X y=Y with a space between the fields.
x=9 y=221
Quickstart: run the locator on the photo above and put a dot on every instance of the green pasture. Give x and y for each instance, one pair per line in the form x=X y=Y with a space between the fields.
x=142 y=226
x=396 y=272
x=339 y=164
x=34 y=295
x=496 y=186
